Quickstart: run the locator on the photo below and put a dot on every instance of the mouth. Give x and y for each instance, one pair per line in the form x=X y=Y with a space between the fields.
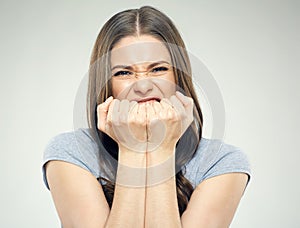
x=148 y=99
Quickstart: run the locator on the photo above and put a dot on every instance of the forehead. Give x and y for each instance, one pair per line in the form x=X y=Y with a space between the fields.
x=139 y=49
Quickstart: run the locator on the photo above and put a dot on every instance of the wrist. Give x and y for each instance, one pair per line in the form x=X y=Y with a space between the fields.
x=131 y=168
x=131 y=158
x=161 y=155
x=160 y=166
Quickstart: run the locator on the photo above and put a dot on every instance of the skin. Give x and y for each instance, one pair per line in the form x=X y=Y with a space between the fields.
x=139 y=53
x=152 y=198
x=143 y=54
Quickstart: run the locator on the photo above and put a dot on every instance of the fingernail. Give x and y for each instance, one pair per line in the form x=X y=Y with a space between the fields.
x=109 y=99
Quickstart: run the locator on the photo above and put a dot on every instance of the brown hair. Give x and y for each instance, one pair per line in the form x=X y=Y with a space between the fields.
x=134 y=22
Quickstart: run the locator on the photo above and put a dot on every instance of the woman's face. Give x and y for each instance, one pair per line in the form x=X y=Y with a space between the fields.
x=141 y=69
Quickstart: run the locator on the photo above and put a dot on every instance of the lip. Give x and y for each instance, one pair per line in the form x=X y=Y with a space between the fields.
x=145 y=99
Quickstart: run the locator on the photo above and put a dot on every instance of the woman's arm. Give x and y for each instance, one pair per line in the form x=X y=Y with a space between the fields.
x=214 y=201
x=161 y=197
x=78 y=196
x=125 y=122
x=212 y=205
x=167 y=121
x=128 y=208
x=80 y=201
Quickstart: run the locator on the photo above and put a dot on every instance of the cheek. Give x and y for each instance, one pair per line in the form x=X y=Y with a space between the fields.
x=170 y=85
x=119 y=88
x=171 y=78
x=166 y=84
x=169 y=88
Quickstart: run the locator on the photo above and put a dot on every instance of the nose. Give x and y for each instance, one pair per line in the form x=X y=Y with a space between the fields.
x=143 y=86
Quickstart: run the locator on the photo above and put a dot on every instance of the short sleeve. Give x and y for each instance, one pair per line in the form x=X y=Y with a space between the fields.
x=76 y=147
x=213 y=158
x=229 y=160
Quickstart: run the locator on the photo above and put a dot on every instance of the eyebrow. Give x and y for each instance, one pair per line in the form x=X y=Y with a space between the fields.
x=129 y=67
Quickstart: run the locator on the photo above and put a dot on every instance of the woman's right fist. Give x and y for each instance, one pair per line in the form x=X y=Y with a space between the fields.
x=125 y=122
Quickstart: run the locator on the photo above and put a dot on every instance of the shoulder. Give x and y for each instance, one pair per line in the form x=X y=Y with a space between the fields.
x=215 y=157
x=76 y=147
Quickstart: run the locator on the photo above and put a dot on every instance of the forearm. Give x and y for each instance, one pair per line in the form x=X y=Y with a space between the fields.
x=128 y=208
x=161 y=197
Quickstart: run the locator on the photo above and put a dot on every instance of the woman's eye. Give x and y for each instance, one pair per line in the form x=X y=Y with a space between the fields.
x=123 y=73
x=159 y=69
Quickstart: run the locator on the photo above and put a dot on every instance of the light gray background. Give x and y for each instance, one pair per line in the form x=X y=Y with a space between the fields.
x=250 y=47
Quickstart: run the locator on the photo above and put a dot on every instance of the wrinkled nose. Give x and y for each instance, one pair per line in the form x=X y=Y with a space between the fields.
x=143 y=86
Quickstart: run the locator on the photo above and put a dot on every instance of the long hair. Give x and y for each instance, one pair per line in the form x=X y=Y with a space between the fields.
x=143 y=21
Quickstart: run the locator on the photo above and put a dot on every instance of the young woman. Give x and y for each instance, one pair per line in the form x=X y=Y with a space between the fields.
x=143 y=162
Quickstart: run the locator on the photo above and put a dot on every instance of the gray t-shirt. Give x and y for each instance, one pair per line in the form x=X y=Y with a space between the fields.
x=213 y=156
